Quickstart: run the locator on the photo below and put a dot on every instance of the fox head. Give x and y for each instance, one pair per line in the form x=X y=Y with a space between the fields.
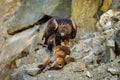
x=57 y=63
x=58 y=59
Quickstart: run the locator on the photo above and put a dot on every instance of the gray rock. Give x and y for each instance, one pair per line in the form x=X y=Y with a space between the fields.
x=86 y=36
x=116 y=5
x=114 y=78
x=112 y=54
x=110 y=43
x=98 y=50
x=88 y=74
x=105 y=56
x=60 y=8
x=114 y=70
x=31 y=69
x=80 y=50
x=36 y=52
x=105 y=21
x=16 y=44
x=96 y=42
x=89 y=58
x=28 y=15
x=21 y=75
x=69 y=72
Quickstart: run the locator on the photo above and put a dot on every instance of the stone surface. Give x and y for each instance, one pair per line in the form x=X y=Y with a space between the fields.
x=110 y=43
x=89 y=8
x=67 y=73
x=113 y=70
x=59 y=8
x=88 y=74
x=16 y=44
x=28 y=15
x=116 y=5
x=30 y=69
x=21 y=76
x=112 y=54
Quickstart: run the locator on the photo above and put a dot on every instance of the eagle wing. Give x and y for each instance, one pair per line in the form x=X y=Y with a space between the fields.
x=74 y=30
x=50 y=29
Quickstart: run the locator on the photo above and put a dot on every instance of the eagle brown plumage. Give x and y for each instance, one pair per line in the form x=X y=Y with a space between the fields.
x=62 y=28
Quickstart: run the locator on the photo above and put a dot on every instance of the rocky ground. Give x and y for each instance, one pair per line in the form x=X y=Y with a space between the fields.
x=96 y=54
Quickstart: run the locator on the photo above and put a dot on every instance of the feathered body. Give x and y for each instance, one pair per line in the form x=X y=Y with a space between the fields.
x=63 y=29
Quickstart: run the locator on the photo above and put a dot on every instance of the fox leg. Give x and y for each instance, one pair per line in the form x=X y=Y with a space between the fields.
x=66 y=42
x=44 y=64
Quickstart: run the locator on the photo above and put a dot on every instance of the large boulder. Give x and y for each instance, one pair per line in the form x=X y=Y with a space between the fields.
x=16 y=44
x=21 y=75
x=28 y=13
x=60 y=8
x=83 y=12
x=116 y=5
x=31 y=12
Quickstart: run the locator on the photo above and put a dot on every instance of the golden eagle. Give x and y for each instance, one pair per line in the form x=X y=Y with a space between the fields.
x=59 y=29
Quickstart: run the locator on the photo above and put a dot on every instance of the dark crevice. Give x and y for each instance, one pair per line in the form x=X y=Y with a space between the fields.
x=43 y=20
x=99 y=12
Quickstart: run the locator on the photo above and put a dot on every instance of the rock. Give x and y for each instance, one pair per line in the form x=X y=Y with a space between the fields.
x=29 y=69
x=98 y=27
x=96 y=41
x=112 y=55
x=105 y=20
x=32 y=69
x=79 y=67
x=114 y=70
x=89 y=8
x=105 y=57
x=114 y=78
x=98 y=50
x=67 y=73
x=79 y=50
x=36 y=52
x=18 y=62
x=108 y=20
x=109 y=32
x=91 y=66
x=116 y=5
x=89 y=58
x=57 y=8
x=110 y=43
x=86 y=36
x=88 y=74
x=117 y=42
x=28 y=15
x=16 y=44
x=21 y=75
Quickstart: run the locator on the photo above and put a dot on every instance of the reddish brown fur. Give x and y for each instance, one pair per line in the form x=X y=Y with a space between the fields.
x=59 y=54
